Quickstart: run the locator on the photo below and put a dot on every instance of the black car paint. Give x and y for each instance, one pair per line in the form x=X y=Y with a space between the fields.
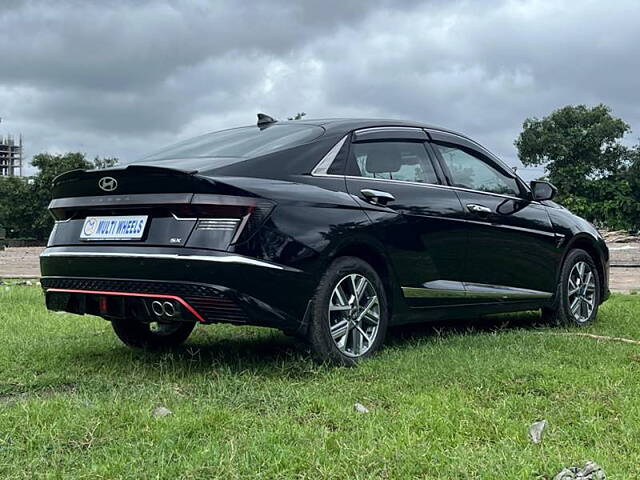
x=426 y=235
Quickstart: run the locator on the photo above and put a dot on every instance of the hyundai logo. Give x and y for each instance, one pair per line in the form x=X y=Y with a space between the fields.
x=108 y=184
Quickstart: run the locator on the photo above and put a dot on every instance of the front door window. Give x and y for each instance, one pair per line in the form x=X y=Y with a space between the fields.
x=469 y=171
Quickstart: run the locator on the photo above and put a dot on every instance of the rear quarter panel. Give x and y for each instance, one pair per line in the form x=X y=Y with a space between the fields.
x=311 y=224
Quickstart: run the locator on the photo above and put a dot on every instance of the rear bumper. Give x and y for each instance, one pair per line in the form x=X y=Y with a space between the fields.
x=212 y=286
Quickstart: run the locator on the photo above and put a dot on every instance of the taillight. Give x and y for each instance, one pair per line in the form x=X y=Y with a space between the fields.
x=227 y=221
x=230 y=224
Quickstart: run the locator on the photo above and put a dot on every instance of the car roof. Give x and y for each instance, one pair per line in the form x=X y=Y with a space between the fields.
x=345 y=125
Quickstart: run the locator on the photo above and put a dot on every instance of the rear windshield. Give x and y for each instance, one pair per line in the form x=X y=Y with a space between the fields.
x=243 y=142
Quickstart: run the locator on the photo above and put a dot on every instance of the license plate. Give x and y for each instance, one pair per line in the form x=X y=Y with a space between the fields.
x=126 y=227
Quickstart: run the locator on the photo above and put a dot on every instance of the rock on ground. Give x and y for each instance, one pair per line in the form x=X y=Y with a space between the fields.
x=591 y=471
x=160 y=412
x=536 y=429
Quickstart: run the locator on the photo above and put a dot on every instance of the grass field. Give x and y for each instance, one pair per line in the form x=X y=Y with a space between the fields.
x=445 y=403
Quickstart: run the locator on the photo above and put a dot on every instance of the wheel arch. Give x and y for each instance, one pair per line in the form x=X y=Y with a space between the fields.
x=590 y=245
x=375 y=257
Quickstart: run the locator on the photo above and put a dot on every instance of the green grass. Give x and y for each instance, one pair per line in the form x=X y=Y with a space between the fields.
x=448 y=403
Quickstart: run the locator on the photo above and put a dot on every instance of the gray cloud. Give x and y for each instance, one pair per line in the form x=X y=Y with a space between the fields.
x=123 y=77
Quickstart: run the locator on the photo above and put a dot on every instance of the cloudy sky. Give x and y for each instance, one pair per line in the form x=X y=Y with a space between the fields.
x=121 y=78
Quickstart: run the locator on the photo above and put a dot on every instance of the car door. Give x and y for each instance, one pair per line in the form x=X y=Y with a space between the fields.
x=512 y=244
x=418 y=220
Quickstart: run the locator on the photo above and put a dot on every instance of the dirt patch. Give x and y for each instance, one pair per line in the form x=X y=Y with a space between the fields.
x=46 y=392
x=625 y=280
x=20 y=262
x=625 y=253
x=23 y=263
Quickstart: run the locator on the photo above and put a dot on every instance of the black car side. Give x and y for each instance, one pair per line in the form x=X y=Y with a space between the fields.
x=331 y=230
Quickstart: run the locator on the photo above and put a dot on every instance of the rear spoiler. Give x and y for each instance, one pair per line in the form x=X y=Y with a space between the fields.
x=139 y=180
x=79 y=172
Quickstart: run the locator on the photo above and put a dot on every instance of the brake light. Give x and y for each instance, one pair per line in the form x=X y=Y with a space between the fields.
x=227 y=221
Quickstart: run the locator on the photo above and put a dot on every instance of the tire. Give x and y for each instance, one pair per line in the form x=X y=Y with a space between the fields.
x=575 y=307
x=336 y=314
x=143 y=335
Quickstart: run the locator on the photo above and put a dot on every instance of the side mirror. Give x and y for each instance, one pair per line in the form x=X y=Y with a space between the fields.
x=542 y=190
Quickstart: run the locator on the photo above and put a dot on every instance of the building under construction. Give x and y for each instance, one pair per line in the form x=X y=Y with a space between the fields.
x=10 y=156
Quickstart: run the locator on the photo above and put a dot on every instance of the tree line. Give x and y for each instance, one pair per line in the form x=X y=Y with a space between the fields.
x=582 y=149
x=24 y=200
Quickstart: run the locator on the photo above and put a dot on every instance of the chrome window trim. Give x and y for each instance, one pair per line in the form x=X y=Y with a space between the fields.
x=510 y=197
x=322 y=167
x=438 y=185
x=388 y=129
x=403 y=182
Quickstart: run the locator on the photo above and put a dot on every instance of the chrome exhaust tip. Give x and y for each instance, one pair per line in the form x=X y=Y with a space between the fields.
x=157 y=308
x=169 y=309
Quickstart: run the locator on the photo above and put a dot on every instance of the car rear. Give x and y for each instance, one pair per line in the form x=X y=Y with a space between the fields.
x=154 y=241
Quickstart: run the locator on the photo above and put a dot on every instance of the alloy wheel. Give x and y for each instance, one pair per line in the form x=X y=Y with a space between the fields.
x=582 y=291
x=354 y=315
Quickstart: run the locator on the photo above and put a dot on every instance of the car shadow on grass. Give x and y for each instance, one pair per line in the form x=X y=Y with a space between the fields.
x=485 y=324
x=270 y=353
x=263 y=352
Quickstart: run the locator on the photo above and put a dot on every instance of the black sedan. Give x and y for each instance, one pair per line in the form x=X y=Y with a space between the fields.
x=331 y=230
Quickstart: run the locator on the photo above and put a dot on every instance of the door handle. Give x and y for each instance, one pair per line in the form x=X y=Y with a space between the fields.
x=480 y=209
x=377 y=197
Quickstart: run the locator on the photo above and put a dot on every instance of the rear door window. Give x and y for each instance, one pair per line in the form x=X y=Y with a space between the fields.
x=392 y=160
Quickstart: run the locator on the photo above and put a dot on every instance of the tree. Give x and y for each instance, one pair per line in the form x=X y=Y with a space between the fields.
x=574 y=143
x=106 y=162
x=24 y=201
x=50 y=166
x=17 y=208
x=633 y=177
x=297 y=116
x=581 y=149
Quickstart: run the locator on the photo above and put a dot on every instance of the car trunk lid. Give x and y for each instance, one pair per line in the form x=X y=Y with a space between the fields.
x=152 y=206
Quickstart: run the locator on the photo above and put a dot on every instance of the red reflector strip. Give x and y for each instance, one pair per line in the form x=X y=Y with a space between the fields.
x=102 y=304
x=128 y=294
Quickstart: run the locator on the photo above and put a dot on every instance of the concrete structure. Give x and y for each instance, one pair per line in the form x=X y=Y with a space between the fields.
x=10 y=156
